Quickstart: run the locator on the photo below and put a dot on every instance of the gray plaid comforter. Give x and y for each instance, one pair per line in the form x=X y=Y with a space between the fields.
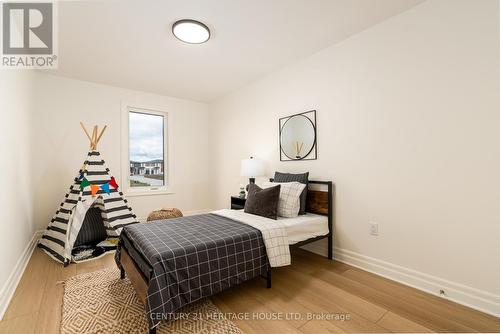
x=195 y=257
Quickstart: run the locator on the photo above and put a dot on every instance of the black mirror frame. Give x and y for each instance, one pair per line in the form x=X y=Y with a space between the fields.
x=314 y=149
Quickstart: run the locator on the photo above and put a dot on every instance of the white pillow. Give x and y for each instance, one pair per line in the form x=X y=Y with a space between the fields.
x=289 y=201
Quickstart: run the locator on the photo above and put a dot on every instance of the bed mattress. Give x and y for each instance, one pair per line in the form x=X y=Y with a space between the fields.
x=305 y=227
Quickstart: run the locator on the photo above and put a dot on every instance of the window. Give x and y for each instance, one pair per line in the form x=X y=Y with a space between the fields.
x=147 y=168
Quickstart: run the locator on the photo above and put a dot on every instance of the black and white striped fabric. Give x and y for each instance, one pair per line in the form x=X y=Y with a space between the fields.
x=92 y=230
x=195 y=257
x=59 y=238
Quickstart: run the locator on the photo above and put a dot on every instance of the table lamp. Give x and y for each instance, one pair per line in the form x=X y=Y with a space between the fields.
x=252 y=168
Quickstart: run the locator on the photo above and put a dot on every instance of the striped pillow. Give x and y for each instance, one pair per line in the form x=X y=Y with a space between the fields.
x=289 y=202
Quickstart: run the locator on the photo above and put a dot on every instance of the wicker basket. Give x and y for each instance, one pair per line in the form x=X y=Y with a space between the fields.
x=164 y=214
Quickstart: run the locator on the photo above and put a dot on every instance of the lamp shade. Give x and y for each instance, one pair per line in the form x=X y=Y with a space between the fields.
x=252 y=167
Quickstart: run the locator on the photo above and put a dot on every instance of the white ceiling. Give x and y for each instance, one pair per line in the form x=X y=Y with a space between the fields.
x=129 y=43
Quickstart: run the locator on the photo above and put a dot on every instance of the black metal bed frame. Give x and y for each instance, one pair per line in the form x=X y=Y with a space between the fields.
x=329 y=184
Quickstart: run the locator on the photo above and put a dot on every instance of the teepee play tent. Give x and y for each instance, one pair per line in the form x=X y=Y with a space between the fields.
x=93 y=190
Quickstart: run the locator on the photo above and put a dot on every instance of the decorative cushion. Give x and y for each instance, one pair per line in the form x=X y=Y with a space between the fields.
x=262 y=202
x=289 y=200
x=302 y=178
x=164 y=214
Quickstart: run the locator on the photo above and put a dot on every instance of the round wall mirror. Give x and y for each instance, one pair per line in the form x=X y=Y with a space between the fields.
x=297 y=137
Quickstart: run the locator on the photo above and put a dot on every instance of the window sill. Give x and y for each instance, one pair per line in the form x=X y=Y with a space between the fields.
x=134 y=193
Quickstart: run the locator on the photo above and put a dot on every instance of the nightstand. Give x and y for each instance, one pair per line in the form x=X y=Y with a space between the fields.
x=237 y=203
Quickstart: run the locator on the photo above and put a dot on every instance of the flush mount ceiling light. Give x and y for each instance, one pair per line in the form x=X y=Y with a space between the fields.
x=191 y=31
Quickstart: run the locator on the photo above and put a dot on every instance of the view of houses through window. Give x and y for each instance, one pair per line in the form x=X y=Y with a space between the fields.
x=146 y=149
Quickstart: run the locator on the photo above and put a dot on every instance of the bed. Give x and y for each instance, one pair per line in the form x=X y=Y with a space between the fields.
x=177 y=262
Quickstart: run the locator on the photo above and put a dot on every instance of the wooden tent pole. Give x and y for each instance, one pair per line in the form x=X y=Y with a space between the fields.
x=100 y=135
x=94 y=136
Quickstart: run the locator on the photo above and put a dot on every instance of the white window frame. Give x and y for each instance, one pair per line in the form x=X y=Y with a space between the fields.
x=125 y=152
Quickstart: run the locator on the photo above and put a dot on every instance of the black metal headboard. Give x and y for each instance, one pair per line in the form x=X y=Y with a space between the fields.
x=320 y=202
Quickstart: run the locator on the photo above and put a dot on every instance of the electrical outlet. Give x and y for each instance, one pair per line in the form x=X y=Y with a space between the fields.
x=373 y=228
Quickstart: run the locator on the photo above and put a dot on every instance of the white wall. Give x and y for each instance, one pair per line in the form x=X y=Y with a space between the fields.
x=16 y=196
x=60 y=146
x=408 y=129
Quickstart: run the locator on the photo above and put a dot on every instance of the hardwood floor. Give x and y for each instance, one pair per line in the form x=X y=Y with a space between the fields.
x=312 y=285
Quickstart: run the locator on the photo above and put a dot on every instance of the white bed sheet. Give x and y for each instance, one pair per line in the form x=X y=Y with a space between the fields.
x=304 y=227
x=299 y=228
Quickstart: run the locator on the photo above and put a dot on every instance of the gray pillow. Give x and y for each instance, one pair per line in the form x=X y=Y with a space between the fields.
x=302 y=178
x=262 y=202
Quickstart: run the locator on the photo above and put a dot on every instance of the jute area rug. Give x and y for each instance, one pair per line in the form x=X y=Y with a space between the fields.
x=100 y=302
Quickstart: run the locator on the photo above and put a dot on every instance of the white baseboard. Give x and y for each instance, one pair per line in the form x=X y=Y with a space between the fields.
x=10 y=286
x=474 y=298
